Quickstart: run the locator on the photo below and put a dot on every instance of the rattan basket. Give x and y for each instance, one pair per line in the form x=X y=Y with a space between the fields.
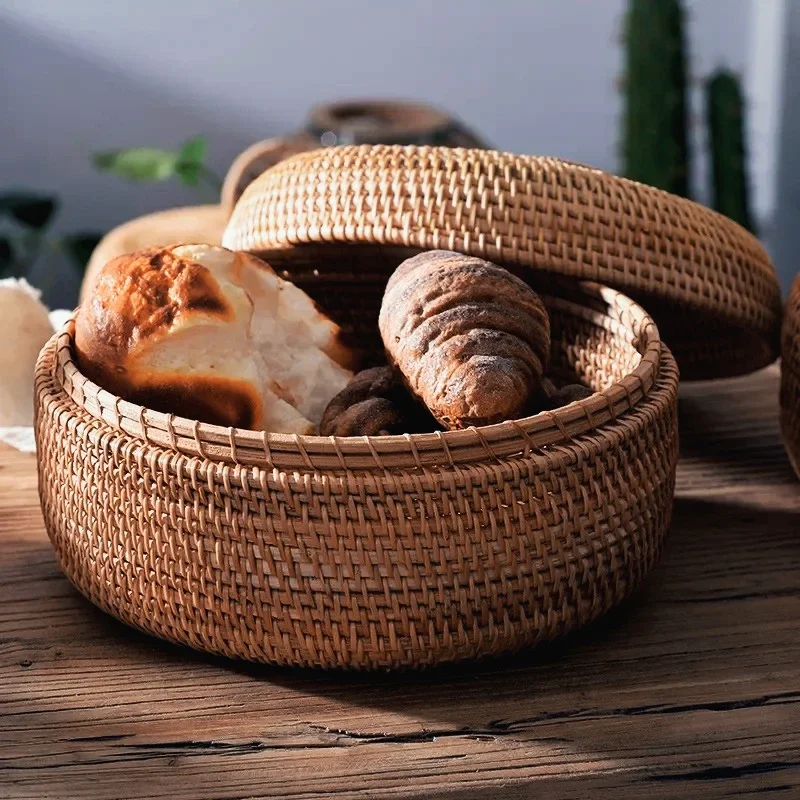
x=396 y=551
x=708 y=283
x=790 y=376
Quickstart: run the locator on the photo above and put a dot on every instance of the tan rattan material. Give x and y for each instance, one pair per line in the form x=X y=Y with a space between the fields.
x=249 y=164
x=709 y=283
x=790 y=376
x=361 y=553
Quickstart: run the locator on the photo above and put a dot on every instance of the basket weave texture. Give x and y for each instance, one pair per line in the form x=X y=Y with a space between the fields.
x=708 y=283
x=399 y=551
x=790 y=376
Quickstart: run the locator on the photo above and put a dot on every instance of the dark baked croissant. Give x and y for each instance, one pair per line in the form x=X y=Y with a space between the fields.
x=471 y=339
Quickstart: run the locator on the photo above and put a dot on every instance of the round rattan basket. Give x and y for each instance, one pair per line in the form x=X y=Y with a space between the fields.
x=371 y=552
x=708 y=283
x=790 y=376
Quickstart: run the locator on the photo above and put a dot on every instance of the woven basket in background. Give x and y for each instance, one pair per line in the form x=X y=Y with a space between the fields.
x=708 y=283
x=790 y=376
x=396 y=551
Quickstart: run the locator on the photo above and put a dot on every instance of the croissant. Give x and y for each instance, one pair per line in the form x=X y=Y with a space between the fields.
x=470 y=339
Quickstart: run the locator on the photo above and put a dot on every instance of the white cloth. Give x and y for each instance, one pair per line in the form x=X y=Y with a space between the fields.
x=59 y=317
x=20 y=437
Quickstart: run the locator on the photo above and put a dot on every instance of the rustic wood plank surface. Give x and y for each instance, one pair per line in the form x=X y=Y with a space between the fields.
x=691 y=689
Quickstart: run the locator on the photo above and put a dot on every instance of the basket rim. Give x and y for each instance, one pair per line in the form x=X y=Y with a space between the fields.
x=182 y=435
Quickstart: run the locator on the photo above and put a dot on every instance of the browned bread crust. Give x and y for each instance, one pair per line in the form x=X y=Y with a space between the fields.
x=363 y=407
x=471 y=339
x=212 y=335
x=136 y=298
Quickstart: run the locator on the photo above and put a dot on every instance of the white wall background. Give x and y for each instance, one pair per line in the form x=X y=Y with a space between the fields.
x=529 y=75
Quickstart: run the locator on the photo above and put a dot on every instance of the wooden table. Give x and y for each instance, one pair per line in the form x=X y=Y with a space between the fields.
x=691 y=690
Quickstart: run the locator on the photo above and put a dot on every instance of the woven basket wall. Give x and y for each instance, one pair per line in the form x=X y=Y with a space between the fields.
x=399 y=551
x=708 y=283
x=790 y=376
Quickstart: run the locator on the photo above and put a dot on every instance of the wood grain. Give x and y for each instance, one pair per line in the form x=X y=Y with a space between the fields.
x=691 y=689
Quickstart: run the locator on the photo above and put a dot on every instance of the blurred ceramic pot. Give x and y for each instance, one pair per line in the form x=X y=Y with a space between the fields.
x=350 y=122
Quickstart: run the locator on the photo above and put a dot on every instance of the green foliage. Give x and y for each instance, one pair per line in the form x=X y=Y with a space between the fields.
x=80 y=246
x=728 y=173
x=32 y=210
x=193 y=150
x=191 y=160
x=152 y=164
x=141 y=164
x=655 y=141
x=25 y=219
x=6 y=255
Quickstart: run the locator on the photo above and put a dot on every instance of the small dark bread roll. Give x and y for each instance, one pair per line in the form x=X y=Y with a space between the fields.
x=548 y=387
x=569 y=394
x=374 y=403
x=375 y=416
x=471 y=340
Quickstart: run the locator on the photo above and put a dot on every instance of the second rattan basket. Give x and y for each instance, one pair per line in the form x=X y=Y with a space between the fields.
x=790 y=376
x=396 y=551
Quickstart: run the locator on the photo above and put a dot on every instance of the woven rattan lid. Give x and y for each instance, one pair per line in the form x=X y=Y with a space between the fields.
x=709 y=283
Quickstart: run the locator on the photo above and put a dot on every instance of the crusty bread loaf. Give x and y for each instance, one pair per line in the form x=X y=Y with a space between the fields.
x=161 y=228
x=206 y=333
x=26 y=329
x=471 y=339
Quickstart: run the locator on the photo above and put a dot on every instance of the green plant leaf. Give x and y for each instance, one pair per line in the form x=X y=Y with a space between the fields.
x=141 y=164
x=18 y=252
x=191 y=158
x=193 y=151
x=189 y=174
x=6 y=255
x=80 y=246
x=33 y=210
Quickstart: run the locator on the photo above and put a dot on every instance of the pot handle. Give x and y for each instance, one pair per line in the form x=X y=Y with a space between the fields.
x=255 y=159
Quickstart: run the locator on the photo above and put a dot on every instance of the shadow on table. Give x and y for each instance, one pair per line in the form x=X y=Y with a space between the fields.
x=732 y=443
x=595 y=653
x=504 y=692
x=568 y=700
